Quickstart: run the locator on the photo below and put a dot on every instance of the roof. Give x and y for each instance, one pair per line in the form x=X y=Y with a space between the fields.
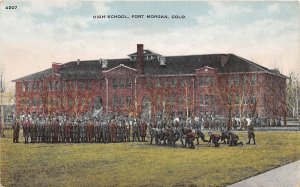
x=146 y=52
x=174 y=65
x=121 y=65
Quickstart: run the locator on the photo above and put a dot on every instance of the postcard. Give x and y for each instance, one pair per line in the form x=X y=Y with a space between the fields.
x=149 y=93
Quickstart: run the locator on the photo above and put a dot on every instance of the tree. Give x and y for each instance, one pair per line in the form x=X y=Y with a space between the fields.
x=274 y=96
x=293 y=95
x=239 y=94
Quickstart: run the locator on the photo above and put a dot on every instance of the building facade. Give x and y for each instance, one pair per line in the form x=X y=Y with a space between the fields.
x=148 y=84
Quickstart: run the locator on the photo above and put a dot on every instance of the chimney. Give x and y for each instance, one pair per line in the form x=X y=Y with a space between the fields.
x=104 y=63
x=55 y=67
x=78 y=62
x=140 y=59
x=224 y=59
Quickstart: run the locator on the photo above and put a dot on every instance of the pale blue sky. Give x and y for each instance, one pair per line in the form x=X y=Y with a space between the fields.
x=40 y=32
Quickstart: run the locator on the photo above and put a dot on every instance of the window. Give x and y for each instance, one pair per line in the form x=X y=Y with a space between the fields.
x=202 y=81
x=64 y=102
x=174 y=82
x=148 y=84
x=82 y=85
x=41 y=102
x=122 y=101
x=158 y=100
x=90 y=85
x=128 y=101
x=114 y=83
x=206 y=81
x=158 y=83
x=34 y=102
x=171 y=100
x=236 y=80
x=58 y=85
x=245 y=79
x=229 y=99
x=90 y=102
x=29 y=86
x=253 y=79
x=53 y=85
x=207 y=99
x=70 y=86
x=76 y=86
x=231 y=81
x=35 y=86
x=122 y=85
x=237 y=99
x=252 y=99
x=180 y=99
x=115 y=101
x=70 y=102
x=24 y=87
x=128 y=83
x=40 y=86
x=166 y=84
x=64 y=85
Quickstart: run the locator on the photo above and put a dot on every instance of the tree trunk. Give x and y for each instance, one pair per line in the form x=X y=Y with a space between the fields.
x=284 y=120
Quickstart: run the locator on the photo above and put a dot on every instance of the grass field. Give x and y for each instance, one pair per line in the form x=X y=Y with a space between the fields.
x=141 y=164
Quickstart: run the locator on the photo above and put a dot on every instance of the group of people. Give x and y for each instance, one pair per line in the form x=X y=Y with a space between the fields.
x=113 y=129
x=79 y=130
x=187 y=132
x=215 y=122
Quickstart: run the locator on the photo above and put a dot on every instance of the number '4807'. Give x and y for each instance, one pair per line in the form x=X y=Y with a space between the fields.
x=11 y=7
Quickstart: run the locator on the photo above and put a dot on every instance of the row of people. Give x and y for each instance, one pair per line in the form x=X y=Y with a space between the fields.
x=80 y=130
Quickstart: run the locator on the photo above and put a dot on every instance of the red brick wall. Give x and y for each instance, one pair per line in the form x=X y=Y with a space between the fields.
x=169 y=91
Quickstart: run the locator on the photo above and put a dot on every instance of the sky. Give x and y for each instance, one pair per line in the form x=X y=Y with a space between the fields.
x=37 y=33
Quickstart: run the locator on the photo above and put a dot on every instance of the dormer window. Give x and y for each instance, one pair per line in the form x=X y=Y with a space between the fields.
x=133 y=58
x=104 y=63
x=162 y=61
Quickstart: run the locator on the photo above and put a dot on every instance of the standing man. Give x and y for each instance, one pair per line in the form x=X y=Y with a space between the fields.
x=251 y=134
x=16 y=130
x=26 y=129
x=135 y=131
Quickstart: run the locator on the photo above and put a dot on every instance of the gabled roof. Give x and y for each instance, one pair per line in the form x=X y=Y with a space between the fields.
x=146 y=52
x=35 y=76
x=119 y=66
x=174 y=65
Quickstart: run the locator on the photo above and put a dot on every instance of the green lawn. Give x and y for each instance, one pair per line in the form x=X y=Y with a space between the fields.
x=141 y=164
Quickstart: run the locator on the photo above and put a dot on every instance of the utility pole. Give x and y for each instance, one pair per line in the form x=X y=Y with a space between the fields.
x=297 y=100
x=2 y=89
